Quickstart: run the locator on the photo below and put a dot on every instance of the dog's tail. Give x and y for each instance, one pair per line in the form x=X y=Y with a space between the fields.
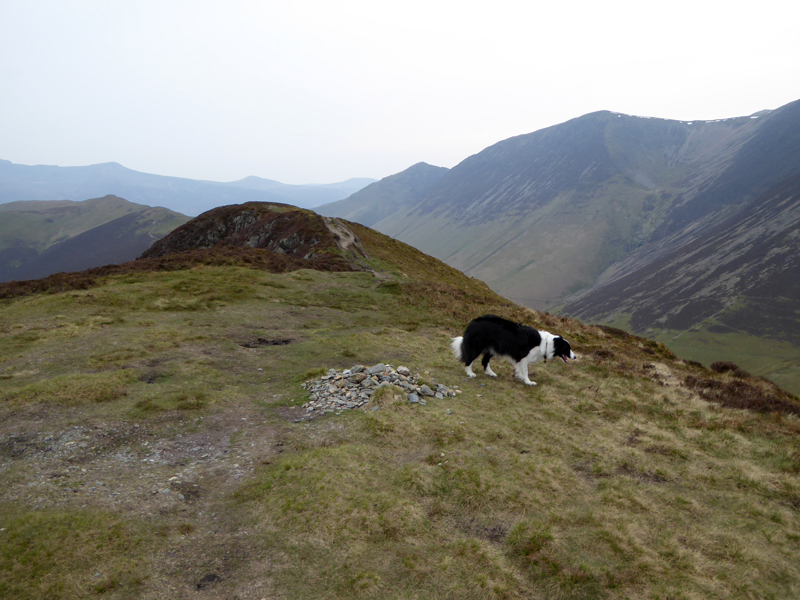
x=456 y=346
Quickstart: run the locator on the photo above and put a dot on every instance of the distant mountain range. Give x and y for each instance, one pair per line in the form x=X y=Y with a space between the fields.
x=38 y=239
x=654 y=225
x=187 y=196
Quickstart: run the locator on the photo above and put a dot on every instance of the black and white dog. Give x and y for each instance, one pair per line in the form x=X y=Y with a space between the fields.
x=494 y=336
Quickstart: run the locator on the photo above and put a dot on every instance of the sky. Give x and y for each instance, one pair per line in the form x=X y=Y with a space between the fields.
x=304 y=91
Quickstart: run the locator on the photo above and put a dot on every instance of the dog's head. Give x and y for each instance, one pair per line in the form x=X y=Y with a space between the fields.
x=562 y=349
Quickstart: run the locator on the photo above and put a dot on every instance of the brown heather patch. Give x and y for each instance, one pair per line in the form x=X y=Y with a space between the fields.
x=254 y=258
x=269 y=237
x=724 y=366
x=755 y=395
x=279 y=228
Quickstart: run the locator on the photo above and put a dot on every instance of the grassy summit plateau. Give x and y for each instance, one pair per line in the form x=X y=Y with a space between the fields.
x=149 y=446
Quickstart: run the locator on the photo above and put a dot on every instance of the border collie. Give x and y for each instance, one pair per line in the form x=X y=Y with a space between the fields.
x=520 y=344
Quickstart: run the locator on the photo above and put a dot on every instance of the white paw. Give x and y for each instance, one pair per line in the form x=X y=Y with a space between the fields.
x=530 y=383
x=491 y=373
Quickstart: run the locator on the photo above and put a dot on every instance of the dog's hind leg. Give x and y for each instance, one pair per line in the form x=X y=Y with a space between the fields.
x=468 y=360
x=487 y=356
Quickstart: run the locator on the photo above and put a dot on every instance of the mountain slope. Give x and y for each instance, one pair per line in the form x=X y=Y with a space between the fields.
x=732 y=292
x=187 y=196
x=384 y=197
x=153 y=430
x=41 y=238
x=543 y=215
x=534 y=216
x=738 y=272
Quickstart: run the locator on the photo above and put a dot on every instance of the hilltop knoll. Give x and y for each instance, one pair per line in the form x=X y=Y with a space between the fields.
x=267 y=236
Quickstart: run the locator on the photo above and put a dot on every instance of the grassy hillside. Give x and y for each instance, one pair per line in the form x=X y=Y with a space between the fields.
x=385 y=197
x=42 y=224
x=732 y=293
x=153 y=444
x=41 y=238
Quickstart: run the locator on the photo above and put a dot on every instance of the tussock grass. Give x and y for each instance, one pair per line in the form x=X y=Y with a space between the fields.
x=76 y=554
x=68 y=390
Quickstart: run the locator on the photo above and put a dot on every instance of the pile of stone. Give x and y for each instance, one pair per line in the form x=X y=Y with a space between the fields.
x=354 y=387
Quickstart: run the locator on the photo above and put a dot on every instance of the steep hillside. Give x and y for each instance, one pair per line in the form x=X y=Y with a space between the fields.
x=542 y=215
x=384 y=197
x=156 y=441
x=187 y=196
x=744 y=272
x=735 y=288
x=41 y=238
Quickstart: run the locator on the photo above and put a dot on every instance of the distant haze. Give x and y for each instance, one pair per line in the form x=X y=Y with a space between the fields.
x=188 y=196
x=316 y=92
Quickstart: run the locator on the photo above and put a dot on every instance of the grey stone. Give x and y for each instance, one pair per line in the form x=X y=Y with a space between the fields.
x=352 y=388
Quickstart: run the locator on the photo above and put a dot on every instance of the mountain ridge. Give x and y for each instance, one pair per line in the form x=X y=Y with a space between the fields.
x=39 y=238
x=184 y=195
x=381 y=198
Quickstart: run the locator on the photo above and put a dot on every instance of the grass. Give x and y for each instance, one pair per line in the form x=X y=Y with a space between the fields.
x=59 y=554
x=613 y=478
x=776 y=360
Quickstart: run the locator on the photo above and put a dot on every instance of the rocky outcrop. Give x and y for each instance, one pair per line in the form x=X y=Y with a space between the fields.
x=275 y=227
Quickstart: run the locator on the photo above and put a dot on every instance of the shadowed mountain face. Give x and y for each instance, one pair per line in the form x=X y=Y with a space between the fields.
x=743 y=273
x=38 y=239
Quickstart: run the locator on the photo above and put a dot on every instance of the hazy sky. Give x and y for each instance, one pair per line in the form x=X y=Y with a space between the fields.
x=320 y=91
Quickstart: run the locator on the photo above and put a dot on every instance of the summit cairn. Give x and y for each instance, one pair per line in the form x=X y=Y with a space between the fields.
x=354 y=387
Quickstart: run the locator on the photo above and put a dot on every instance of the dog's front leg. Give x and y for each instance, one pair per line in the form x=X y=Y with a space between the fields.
x=521 y=369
